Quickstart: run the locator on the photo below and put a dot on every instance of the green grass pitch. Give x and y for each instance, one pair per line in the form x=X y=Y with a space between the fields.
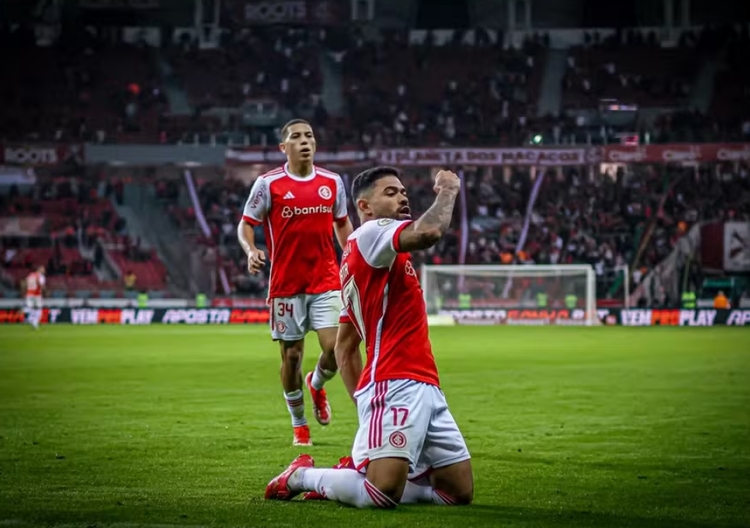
x=586 y=427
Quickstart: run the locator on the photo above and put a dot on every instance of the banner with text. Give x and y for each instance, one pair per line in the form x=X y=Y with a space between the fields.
x=21 y=226
x=737 y=246
x=509 y=316
x=725 y=246
x=142 y=316
x=521 y=156
x=300 y=12
x=675 y=153
x=40 y=155
x=551 y=157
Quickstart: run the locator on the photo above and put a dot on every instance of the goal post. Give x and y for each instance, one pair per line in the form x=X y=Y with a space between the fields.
x=515 y=294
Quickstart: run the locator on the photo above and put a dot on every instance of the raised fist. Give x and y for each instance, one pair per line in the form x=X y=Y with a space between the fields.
x=447 y=181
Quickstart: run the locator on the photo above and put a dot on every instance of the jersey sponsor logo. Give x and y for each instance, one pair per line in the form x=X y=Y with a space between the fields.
x=344 y=272
x=288 y=212
x=258 y=197
x=289 y=196
x=397 y=439
x=324 y=192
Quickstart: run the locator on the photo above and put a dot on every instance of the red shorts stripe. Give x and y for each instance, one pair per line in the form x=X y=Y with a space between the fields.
x=371 y=430
x=376 y=415
x=381 y=412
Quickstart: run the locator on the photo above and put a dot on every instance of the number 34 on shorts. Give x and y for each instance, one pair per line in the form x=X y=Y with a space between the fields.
x=293 y=317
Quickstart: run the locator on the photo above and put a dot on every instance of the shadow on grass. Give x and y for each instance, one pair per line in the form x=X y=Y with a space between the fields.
x=506 y=516
x=488 y=515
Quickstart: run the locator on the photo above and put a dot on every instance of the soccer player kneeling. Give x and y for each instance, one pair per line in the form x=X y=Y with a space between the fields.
x=408 y=447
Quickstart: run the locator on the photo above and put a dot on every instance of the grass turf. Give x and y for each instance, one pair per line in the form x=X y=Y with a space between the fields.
x=594 y=427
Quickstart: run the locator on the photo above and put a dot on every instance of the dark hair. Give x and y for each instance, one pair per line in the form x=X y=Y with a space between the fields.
x=366 y=179
x=285 y=128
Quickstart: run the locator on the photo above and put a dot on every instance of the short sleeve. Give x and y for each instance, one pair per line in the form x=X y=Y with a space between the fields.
x=258 y=203
x=42 y=280
x=378 y=241
x=340 y=212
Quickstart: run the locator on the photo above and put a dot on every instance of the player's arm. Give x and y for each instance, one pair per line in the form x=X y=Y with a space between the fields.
x=348 y=357
x=256 y=207
x=342 y=225
x=343 y=228
x=432 y=225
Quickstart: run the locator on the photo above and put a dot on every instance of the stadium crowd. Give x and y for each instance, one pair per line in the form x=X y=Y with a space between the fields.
x=74 y=231
x=397 y=90
x=631 y=218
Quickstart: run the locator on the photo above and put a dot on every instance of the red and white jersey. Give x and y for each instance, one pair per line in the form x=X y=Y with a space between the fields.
x=382 y=297
x=297 y=215
x=34 y=284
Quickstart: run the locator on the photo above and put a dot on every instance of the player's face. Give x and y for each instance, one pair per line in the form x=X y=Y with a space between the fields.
x=388 y=199
x=299 y=144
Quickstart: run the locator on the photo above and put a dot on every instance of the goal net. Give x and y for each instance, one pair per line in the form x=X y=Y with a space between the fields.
x=538 y=294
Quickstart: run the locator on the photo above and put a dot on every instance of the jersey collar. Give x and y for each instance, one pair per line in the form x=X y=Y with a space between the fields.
x=299 y=178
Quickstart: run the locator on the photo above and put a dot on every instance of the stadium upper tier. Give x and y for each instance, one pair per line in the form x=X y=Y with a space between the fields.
x=387 y=89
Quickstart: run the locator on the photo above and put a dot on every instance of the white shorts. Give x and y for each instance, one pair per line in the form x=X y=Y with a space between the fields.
x=407 y=419
x=34 y=302
x=293 y=317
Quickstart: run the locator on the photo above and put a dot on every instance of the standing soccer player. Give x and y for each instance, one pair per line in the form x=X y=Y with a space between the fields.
x=297 y=204
x=34 y=285
x=408 y=447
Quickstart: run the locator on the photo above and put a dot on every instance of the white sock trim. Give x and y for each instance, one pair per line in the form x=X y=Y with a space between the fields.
x=380 y=499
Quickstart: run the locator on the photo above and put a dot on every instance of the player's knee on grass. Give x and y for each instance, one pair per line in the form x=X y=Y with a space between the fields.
x=456 y=480
x=389 y=476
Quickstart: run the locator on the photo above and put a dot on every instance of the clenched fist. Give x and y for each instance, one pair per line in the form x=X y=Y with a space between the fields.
x=446 y=180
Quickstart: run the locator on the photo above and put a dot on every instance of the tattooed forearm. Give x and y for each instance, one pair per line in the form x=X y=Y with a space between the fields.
x=430 y=228
x=438 y=217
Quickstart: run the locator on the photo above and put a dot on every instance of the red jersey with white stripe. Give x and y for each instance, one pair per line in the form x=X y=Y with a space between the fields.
x=297 y=215
x=383 y=299
x=34 y=284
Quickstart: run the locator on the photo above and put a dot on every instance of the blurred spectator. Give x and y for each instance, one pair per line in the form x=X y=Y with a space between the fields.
x=129 y=280
x=721 y=302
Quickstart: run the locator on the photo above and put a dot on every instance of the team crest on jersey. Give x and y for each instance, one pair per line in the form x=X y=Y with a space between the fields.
x=385 y=221
x=280 y=327
x=397 y=439
x=324 y=192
